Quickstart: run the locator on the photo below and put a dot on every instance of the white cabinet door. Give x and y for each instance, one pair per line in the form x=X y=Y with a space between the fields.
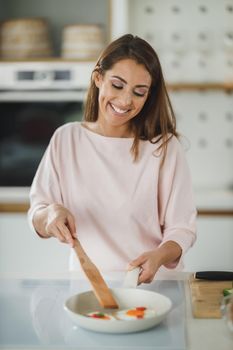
x=23 y=252
x=213 y=249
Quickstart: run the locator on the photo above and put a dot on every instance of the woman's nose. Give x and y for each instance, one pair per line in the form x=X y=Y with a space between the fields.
x=126 y=99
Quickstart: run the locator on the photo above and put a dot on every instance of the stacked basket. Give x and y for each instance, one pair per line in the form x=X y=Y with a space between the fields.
x=82 y=41
x=25 y=38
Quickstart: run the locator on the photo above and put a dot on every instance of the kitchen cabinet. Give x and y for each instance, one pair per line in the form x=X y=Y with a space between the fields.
x=213 y=247
x=22 y=251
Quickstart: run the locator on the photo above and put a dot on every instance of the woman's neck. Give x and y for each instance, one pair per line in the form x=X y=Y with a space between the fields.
x=109 y=131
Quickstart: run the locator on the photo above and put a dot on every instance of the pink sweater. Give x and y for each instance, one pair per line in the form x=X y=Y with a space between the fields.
x=122 y=208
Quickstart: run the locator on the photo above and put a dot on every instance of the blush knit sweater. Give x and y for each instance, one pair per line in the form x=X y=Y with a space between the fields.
x=122 y=208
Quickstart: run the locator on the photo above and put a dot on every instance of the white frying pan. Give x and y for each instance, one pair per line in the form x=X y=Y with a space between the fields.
x=78 y=306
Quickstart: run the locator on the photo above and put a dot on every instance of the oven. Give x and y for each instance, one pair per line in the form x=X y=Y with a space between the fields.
x=35 y=99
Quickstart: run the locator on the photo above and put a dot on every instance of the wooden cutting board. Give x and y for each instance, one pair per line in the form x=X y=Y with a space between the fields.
x=206 y=297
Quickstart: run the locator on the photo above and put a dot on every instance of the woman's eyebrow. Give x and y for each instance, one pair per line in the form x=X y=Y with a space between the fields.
x=124 y=81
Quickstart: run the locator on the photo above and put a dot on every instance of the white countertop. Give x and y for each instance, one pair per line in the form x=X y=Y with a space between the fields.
x=203 y=334
x=210 y=199
x=214 y=199
x=14 y=194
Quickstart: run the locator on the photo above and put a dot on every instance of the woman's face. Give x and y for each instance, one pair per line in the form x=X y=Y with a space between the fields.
x=123 y=91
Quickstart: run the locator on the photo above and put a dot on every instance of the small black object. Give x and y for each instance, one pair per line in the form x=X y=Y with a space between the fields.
x=214 y=275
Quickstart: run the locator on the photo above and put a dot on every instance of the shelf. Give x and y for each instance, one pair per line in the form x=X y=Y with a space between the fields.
x=215 y=212
x=42 y=96
x=23 y=208
x=199 y=86
x=48 y=60
x=14 y=207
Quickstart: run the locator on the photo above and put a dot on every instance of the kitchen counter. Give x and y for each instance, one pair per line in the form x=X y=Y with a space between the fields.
x=214 y=199
x=217 y=201
x=201 y=333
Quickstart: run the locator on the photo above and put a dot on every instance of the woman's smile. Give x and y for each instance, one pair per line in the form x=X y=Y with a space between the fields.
x=119 y=110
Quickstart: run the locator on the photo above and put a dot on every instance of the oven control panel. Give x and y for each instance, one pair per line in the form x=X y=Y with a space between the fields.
x=45 y=75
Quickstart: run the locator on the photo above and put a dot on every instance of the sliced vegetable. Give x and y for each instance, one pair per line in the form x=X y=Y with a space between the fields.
x=227 y=291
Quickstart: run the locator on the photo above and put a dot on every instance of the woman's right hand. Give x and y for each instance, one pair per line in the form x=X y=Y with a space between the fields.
x=55 y=221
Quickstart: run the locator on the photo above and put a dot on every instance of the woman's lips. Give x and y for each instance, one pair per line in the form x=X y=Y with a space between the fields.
x=118 y=110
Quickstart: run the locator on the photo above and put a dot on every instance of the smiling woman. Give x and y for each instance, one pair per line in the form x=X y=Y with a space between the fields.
x=119 y=179
x=123 y=91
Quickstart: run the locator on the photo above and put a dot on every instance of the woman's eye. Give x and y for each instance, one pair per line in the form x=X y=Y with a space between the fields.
x=117 y=86
x=140 y=94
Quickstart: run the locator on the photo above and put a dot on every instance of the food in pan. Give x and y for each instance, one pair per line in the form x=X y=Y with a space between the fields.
x=136 y=313
x=101 y=315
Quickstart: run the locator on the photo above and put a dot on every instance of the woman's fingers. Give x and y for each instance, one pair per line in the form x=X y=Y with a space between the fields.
x=61 y=224
x=149 y=266
x=54 y=231
x=65 y=232
x=59 y=230
x=137 y=262
x=71 y=225
x=146 y=276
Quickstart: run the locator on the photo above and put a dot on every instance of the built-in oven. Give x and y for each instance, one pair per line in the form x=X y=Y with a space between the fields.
x=35 y=99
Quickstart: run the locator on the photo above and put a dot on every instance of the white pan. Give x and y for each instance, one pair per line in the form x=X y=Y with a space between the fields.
x=78 y=306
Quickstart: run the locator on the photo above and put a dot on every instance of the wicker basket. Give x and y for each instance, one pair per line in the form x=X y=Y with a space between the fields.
x=25 y=38
x=82 y=41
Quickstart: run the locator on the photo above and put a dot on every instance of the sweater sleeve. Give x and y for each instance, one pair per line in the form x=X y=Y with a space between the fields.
x=45 y=187
x=177 y=212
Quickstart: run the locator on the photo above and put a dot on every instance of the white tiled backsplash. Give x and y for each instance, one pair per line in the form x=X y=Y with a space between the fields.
x=194 y=39
x=206 y=120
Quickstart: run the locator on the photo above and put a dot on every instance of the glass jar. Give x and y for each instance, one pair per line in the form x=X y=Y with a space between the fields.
x=227 y=310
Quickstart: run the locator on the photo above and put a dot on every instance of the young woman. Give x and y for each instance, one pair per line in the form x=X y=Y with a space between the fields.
x=119 y=179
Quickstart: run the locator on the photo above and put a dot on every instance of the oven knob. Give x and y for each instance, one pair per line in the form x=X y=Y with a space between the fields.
x=43 y=75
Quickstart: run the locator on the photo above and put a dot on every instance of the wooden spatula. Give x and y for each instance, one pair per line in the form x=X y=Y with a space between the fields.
x=100 y=288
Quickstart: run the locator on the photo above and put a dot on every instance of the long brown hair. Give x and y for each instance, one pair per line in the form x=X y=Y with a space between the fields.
x=156 y=120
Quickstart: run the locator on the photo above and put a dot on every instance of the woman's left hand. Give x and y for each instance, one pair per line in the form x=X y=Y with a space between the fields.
x=149 y=263
x=169 y=252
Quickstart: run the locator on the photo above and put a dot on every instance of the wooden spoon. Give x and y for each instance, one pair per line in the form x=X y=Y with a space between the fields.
x=100 y=288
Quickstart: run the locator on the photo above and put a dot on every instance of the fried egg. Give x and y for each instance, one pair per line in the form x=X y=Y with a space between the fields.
x=136 y=313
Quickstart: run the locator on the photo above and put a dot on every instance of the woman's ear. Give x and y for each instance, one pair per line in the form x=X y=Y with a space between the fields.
x=97 y=77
